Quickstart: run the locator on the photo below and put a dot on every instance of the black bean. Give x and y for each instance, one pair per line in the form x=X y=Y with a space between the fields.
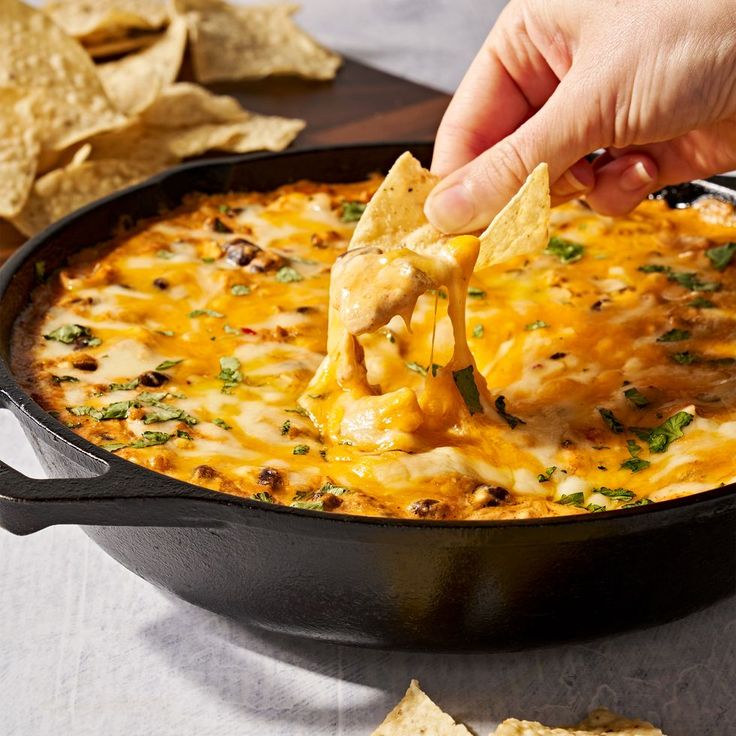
x=160 y=283
x=240 y=252
x=153 y=379
x=270 y=477
x=557 y=356
x=85 y=363
x=205 y=472
x=423 y=507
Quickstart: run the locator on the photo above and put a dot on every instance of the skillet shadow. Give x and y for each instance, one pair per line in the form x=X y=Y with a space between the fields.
x=679 y=675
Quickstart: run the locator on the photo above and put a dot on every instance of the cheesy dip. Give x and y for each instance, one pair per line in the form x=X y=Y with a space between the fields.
x=603 y=379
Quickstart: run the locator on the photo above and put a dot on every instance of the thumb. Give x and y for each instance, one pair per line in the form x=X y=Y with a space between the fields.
x=560 y=133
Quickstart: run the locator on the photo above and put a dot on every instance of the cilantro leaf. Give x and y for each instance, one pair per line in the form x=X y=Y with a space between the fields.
x=510 y=419
x=221 y=423
x=720 y=256
x=702 y=303
x=229 y=374
x=465 y=381
x=206 y=313
x=149 y=439
x=566 y=250
x=479 y=331
x=572 y=499
x=300 y=450
x=352 y=211
x=79 y=335
x=240 y=290
x=674 y=335
x=287 y=275
x=654 y=268
x=662 y=436
x=692 y=282
x=636 y=397
x=635 y=464
x=412 y=365
x=166 y=364
x=57 y=380
x=612 y=422
x=536 y=325
x=638 y=502
x=615 y=494
x=544 y=477
x=285 y=427
x=264 y=496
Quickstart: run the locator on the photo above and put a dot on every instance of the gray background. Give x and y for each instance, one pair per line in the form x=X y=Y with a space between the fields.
x=86 y=648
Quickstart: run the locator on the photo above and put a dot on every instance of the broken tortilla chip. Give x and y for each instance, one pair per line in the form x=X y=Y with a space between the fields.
x=64 y=190
x=19 y=150
x=416 y=714
x=598 y=723
x=395 y=218
x=251 y=42
x=134 y=82
x=184 y=105
x=38 y=57
x=96 y=21
x=120 y=46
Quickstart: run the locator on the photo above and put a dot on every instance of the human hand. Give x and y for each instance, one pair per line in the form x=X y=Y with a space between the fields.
x=654 y=83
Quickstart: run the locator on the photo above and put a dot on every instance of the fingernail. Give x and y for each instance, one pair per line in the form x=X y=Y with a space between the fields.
x=635 y=177
x=450 y=209
x=575 y=184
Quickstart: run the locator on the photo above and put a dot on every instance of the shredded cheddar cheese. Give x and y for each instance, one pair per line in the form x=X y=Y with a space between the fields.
x=197 y=346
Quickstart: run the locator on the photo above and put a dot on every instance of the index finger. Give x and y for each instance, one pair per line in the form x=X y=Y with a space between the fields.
x=507 y=82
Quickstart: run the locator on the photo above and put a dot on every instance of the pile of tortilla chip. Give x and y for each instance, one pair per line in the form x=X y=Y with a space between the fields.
x=417 y=714
x=90 y=103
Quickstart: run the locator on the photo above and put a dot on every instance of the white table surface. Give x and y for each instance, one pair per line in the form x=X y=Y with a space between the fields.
x=87 y=648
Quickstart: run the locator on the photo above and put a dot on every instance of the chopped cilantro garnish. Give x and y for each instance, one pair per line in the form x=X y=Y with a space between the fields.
x=565 y=250
x=264 y=496
x=654 y=268
x=662 y=436
x=333 y=489
x=544 y=477
x=635 y=464
x=614 y=424
x=720 y=256
x=166 y=364
x=240 y=290
x=149 y=439
x=166 y=333
x=702 y=303
x=465 y=382
x=595 y=508
x=309 y=505
x=183 y=435
x=113 y=446
x=685 y=357
x=165 y=254
x=538 y=324
x=692 y=282
x=301 y=450
x=287 y=275
x=572 y=499
x=298 y=410
x=475 y=293
x=225 y=209
x=229 y=374
x=674 y=335
x=636 y=397
x=285 y=427
x=221 y=423
x=478 y=331
x=206 y=313
x=165 y=413
x=79 y=335
x=510 y=419
x=351 y=211
x=412 y=365
x=129 y=386
x=638 y=502
x=615 y=494
x=56 y=380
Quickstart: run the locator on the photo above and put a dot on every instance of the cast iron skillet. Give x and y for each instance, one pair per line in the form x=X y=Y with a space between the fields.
x=376 y=582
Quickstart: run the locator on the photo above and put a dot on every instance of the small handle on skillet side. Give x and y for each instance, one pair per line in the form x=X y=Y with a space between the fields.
x=120 y=494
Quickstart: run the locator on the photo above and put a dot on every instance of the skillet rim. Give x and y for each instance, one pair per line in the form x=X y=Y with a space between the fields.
x=110 y=464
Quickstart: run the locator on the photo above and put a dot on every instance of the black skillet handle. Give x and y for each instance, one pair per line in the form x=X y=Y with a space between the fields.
x=99 y=493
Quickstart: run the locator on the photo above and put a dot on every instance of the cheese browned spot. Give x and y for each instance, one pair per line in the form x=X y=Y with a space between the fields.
x=242 y=345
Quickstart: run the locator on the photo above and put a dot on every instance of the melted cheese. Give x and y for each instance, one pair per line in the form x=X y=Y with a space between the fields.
x=557 y=340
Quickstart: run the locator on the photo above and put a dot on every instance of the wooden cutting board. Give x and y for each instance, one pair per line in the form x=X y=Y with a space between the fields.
x=361 y=104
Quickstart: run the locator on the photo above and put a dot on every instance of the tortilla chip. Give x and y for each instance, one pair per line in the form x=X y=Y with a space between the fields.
x=64 y=190
x=598 y=722
x=252 y=42
x=134 y=82
x=120 y=46
x=395 y=217
x=19 y=150
x=416 y=714
x=95 y=21
x=37 y=56
x=184 y=105
x=257 y=133
x=218 y=123
x=522 y=226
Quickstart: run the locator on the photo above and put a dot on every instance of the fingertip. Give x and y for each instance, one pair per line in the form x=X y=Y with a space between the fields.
x=623 y=183
x=575 y=182
x=450 y=207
